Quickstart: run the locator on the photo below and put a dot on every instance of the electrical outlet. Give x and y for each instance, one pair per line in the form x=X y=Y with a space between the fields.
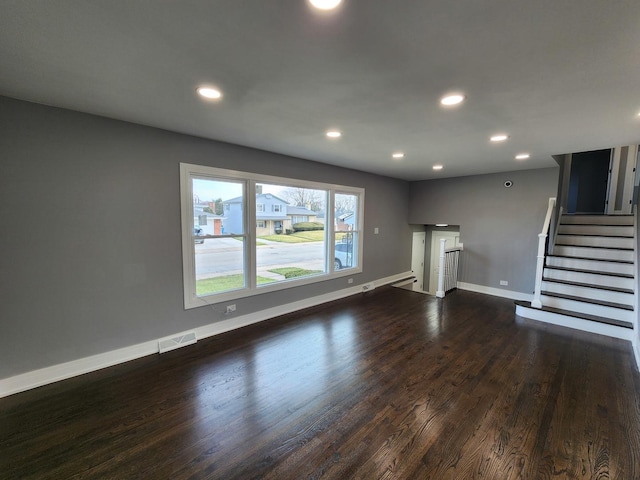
x=376 y=231
x=504 y=283
x=230 y=309
x=350 y=280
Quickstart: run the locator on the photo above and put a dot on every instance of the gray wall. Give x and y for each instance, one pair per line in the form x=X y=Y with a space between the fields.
x=90 y=253
x=498 y=226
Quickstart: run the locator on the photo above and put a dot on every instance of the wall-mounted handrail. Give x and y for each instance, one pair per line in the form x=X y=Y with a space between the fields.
x=542 y=242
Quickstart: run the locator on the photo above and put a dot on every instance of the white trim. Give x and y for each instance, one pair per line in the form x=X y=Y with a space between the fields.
x=256 y=317
x=636 y=325
x=575 y=323
x=496 y=292
x=249 y=181
x=636 y=350
x=62 y=371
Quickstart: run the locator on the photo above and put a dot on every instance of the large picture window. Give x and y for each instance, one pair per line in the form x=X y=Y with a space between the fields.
x=292 y=232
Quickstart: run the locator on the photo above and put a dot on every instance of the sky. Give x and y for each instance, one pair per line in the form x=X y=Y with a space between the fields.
x=210 y=190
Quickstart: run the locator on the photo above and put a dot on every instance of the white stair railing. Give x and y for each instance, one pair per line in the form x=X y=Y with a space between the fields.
x=542 y=243
x=448 y=268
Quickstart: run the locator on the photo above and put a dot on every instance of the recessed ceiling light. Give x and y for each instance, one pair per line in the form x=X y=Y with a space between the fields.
x=209 y=92
x=437 y=167
x=325 y=4
x=501 y=137
x=334 y=134
x=452 y=99
x=522 y=156
x=398 y=155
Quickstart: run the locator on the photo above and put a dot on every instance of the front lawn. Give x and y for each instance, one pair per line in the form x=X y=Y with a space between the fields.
x=284 y=238
x=222 y=284
x=301 y=237
x=292 y=272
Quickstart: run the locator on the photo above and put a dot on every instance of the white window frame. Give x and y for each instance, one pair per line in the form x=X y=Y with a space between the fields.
x=187 y=171
x=357 y=229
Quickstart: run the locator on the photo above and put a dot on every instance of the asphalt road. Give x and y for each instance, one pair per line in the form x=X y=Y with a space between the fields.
x=224 y=256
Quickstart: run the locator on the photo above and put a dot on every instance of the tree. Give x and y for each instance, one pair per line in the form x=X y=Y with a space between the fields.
x=304 y=197
x=344 y=203
x=219 y=207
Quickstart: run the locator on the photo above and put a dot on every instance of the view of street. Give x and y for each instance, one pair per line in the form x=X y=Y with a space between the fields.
x=223 y=256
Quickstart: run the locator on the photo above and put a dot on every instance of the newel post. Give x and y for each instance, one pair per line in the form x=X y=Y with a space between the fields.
x=542 y=241
x=440 y=291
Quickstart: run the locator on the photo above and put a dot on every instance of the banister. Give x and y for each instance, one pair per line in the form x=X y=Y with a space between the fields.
x=448 y=266
x=443 y=247
x=547 y=219
x=542 y=240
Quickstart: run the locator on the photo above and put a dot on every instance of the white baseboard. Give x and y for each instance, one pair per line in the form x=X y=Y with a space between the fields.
x=576 y=324
x=496 y=292
x=256 y=317
x=62 y=371
x=636 y=350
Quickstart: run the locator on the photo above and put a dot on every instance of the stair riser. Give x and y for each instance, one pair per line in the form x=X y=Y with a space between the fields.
x=609 y=242
x=587 y=292
x=588 y=308
x=597 y=219
x=597 y=253
x=577 y=323
x=593 y=279
x=606 y=230
x=596 y=265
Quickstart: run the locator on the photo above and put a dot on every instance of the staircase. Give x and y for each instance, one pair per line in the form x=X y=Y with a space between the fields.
x=589 y=279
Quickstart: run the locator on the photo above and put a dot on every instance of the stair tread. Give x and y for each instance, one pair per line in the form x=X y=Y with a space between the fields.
x=604 y=224
x=589 y=285
x=597 y=224
x=594 y=235
x=595 y=272
x=583 y=316
x=603 y=303
x=594 y=246
x=608 y=219
x=629 y=262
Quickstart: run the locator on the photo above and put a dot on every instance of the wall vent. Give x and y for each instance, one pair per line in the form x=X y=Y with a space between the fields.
x=168 y=344
x=368 y=286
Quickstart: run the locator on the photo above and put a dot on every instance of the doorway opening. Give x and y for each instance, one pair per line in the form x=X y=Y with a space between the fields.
x=588 y=182
x=425 y=254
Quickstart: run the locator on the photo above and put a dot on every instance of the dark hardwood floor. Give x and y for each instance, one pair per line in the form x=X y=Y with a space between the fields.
x=387 y=384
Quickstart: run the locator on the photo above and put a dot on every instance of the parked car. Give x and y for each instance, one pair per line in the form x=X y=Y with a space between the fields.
x=343 y=256
x=197 y=234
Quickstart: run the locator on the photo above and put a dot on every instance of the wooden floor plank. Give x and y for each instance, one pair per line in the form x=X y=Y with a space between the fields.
x=388 y=384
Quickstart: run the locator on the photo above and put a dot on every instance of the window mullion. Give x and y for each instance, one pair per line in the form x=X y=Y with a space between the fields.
x=209 y=278
x=250 y=232
x=330 y=227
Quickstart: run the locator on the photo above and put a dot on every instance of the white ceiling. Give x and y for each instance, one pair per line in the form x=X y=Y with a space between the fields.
x=558 y=76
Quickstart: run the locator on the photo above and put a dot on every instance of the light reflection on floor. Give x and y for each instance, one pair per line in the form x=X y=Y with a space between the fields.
x=292 y=369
